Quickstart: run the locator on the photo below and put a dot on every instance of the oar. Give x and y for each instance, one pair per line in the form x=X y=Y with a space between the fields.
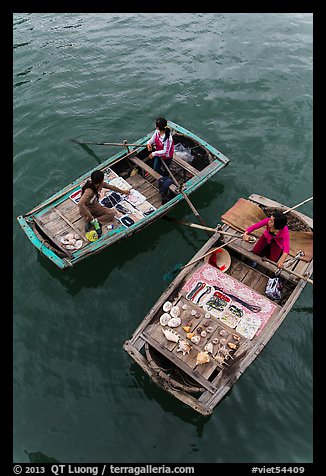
x=123 y=144
x=178 y=267
x=279 y=271
x=252 y=239
x=196 y=213
x=299 y=205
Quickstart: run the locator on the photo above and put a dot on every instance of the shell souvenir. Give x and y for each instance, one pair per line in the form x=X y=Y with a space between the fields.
x=195 y=339
x=203 y=333
x=235 y=337
x=219 y=359
x=174 y=322
x=232 y=346
x=171 y=335
x=209 y=348
x=223 y=333
x=222 y=341
x=78 y=244
x=207 y=315
x=167 y=306
x=190 y=335
x=186 y=328
x=71 y=241
x=164 y=319
x=209 y=329
x=193 y=312
x=184 y=307
x=175 y=311
x=202 y=358
x=215 y=340
x=184 y=347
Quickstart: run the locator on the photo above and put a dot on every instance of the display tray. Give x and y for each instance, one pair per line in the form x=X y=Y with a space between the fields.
x=248 y=325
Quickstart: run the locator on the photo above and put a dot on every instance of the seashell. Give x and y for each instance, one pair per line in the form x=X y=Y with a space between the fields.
x=223 y=341
x=167 y=306
x=203 y=333
x=232 y=346
x=207 y=315
x=209 y=348
x=197 y=315
x=235 y=337
x=70 y=247
x=64 y=240
x=209 y=329
x=219 y=359
x=202 y=358
x=223 y=333
x=186 y=328
x=72 y=241
x=215 y=340
x=164 y=319
x=76 y=236
x=224 y=351
x=70 y=236
x=195 y=339
x=175 y=311
x=171 y=335
x=199 y=329
x=184 y=347
x=174 y=322
x=193 y=312
x=205 y=324
x=190 y=335
x=184 y=307
x=78 y=244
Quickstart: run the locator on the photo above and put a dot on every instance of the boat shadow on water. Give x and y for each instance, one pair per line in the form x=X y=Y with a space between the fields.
x=167 y=402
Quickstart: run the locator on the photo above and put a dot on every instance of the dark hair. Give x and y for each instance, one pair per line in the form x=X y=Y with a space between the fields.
x=96 y=177
x=280 y=220
x=161 y=123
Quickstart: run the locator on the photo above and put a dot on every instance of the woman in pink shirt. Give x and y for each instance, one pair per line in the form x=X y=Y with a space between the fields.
x=164 y=146
x=275 y=241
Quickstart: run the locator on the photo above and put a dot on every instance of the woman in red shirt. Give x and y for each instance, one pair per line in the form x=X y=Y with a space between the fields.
x=275 y=241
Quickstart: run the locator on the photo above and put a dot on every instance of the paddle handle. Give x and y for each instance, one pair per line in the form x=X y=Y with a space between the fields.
x=301 y=276
x=211 y=251
x=123 y=144
x=176 y=183
x=298 y=205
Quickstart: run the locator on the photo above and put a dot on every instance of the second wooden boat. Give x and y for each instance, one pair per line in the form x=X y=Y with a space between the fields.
x=221 y=316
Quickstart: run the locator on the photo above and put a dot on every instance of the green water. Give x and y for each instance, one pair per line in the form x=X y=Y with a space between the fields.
x=242 y=82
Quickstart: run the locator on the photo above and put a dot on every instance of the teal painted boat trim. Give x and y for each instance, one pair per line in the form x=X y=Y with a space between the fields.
x=214 y=151
x=39 y=245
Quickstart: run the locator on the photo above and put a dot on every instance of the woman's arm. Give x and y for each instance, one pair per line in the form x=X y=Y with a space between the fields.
x=253 y=227
x=257 y=225
x=280 y=263
x=115 y=189
x=150 y=142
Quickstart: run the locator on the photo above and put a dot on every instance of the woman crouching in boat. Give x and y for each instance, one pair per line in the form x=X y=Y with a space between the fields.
x=89 y=206
x=275 y=241
x=164 y=146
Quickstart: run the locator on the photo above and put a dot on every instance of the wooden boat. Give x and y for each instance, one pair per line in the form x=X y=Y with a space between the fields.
x=48 y=223
x=246 y=323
